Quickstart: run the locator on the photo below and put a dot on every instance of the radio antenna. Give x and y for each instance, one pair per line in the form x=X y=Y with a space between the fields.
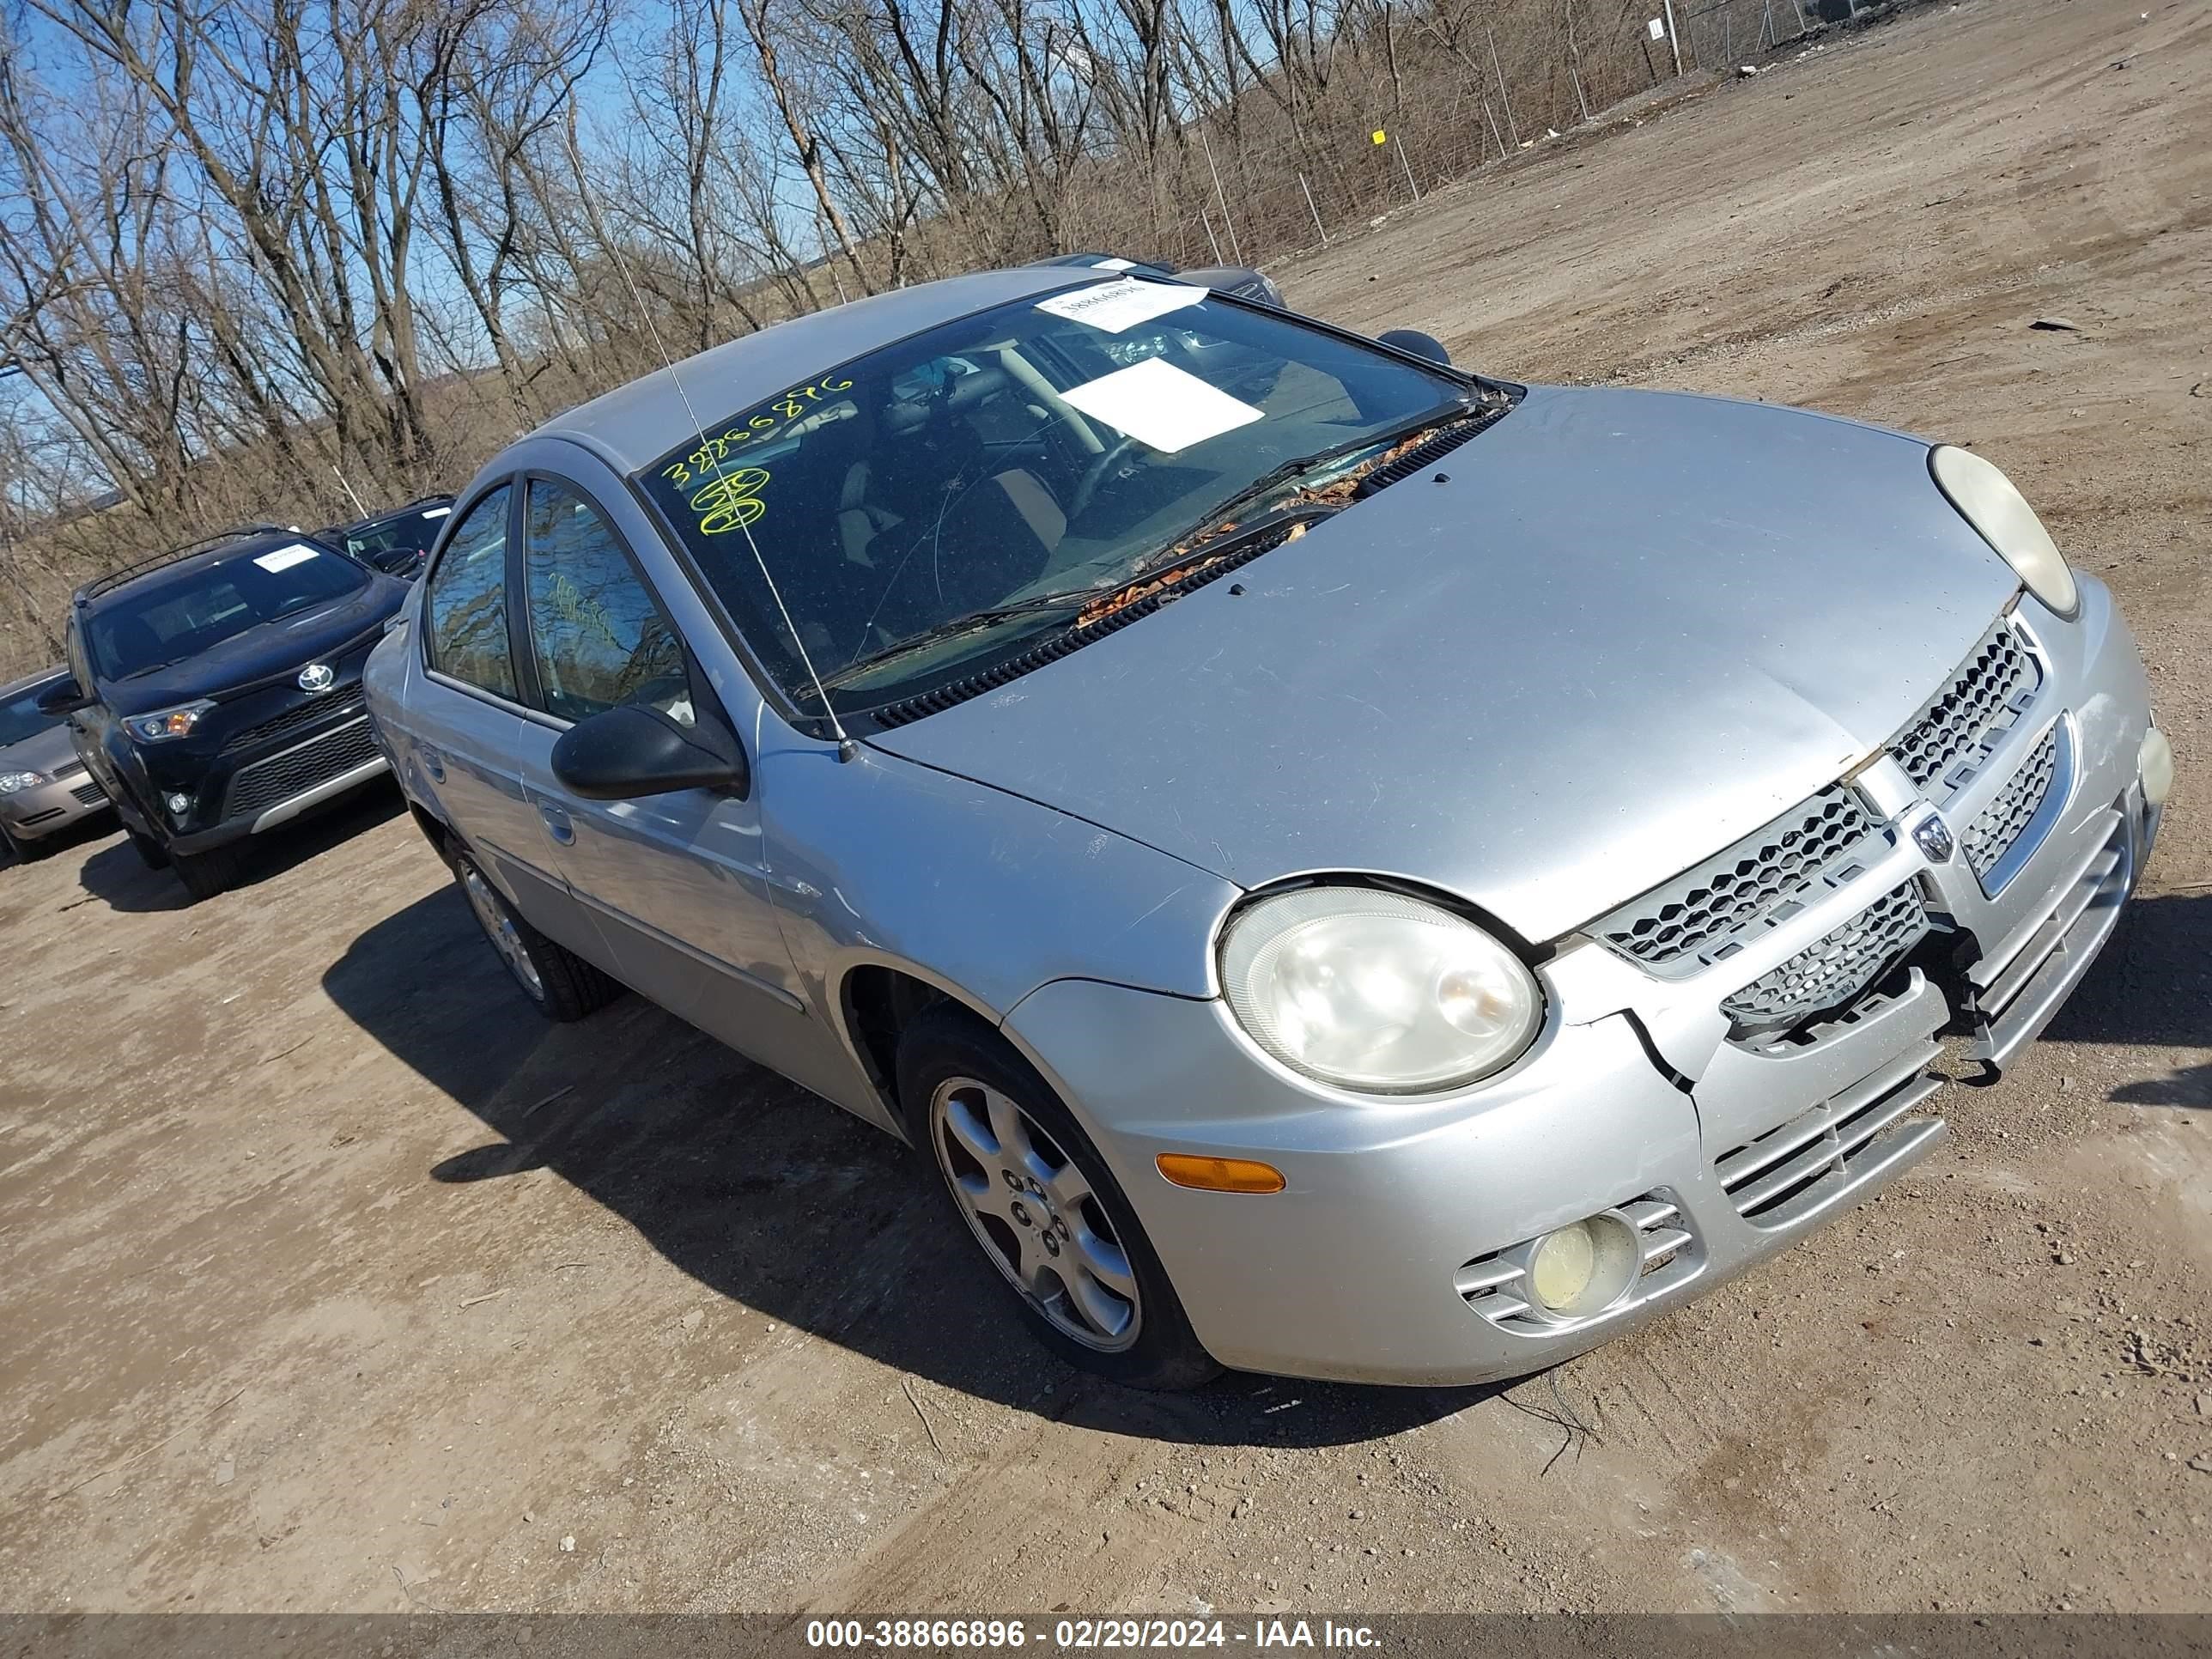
x=846 y=748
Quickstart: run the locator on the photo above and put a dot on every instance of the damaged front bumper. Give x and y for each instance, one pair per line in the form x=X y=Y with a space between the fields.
x=1397 y=1250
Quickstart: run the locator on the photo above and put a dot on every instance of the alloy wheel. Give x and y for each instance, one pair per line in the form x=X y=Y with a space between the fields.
x=499 y=928
x=1036 y=1213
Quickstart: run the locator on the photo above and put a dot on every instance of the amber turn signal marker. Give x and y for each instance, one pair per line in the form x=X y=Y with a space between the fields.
x=1220 y=1175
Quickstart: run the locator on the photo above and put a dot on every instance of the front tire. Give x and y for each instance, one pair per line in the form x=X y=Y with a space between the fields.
x=150 y=852
x=206 y=874
x=559 y=984
x=1042 y=1206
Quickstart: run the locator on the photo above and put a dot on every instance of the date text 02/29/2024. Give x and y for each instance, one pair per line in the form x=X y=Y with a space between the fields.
x=1261 y=1635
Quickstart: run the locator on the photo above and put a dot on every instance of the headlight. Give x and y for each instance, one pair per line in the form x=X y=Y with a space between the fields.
x=1376 y=992
x=12 y=782
x=1986 y=498
x=165 y=724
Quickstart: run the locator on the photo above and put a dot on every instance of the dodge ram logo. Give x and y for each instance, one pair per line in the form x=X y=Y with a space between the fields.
x=317 y=676
x=1934 y=837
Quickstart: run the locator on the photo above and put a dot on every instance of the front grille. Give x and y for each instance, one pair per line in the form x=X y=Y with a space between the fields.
x=263 y=785
x=69 y=769
x=1945 y=744
x=1999 y=824
x=1834 y=968
x=331 y=706
x=1702 y=916
x=89 y=794
x=1495 y=1285
x=1777 y=1178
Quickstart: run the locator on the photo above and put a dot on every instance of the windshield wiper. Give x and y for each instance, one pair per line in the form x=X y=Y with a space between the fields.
x=1279 y=478
x=974 y=622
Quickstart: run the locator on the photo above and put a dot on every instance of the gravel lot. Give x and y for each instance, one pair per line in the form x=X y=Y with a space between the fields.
x=330 y=1277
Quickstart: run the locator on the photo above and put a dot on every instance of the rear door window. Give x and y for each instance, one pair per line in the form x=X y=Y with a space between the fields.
x=466 y=603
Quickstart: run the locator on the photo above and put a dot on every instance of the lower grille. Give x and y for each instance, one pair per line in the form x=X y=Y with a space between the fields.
x=89 y=794
x=1788 y=1171
x=267 y=783
x=1494 y=1284
x=1835 y=969
x=1999 y=824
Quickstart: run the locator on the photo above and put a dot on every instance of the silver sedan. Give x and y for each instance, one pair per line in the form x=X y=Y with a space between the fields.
x=1343 y=867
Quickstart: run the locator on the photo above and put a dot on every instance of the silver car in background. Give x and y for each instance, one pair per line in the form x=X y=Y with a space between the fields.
x=1345 y=867
x=44 y=786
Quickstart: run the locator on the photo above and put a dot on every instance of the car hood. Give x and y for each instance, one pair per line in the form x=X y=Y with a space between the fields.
x=42 y=751
x=1611 y=634
x=272 y=653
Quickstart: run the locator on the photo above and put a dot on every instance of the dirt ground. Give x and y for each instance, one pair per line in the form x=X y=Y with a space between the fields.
x=331 y=1279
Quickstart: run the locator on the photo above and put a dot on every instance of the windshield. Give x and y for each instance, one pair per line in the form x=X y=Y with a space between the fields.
x=19 y=717
x=1021 y=456
x=168 y=616
x=413 y=532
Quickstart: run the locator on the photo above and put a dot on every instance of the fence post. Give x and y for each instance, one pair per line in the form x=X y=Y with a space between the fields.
x=1511 y=125
x=1486 y=115
x=1219 y=195
x=1311 y=209
x=1673 y=41
x=1213 y=240
x=1406 y=162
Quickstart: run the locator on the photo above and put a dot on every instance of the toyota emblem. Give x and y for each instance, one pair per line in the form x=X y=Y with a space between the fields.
x=317 y=676
x=1934 y=837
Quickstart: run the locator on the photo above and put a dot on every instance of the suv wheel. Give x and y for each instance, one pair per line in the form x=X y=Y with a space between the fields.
x=150 y=852
x=560 y=984
x=205 y=874
x=1042 y=1206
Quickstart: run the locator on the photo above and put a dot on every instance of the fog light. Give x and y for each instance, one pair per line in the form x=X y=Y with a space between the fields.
x=178 y=805
x=2154 y=764
x=1584 y=1268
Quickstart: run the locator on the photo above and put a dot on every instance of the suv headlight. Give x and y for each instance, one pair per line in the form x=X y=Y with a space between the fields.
x=1986 y=498
x=165 y=724
x=1376 y=992
x=10 y=783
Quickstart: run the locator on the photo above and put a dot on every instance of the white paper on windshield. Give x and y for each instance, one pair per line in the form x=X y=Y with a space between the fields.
x=436 y=511
x=1112 y=265
x=1114 y=307
x=285 y=557
x=1159 y=404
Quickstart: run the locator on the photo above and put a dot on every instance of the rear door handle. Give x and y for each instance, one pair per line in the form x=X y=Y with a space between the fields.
x=433 y=762
x=558 y=824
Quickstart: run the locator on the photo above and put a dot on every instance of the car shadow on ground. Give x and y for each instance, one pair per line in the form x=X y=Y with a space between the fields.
x=768 y=1196
x=116 y=875
x=2151 y=988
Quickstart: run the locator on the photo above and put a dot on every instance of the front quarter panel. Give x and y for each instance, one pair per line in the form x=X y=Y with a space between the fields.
x=986 y=895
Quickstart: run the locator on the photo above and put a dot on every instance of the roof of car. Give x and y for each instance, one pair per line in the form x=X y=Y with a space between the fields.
x=637 y=423
x=161 y=570
x=16 y=687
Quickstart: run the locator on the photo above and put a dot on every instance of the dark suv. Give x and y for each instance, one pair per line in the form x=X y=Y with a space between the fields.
x=397 y=542
x=214 y=691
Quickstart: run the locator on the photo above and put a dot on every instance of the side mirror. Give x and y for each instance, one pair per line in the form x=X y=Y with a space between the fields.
x=1416 y=343
x=62 y=698
x=623 y=754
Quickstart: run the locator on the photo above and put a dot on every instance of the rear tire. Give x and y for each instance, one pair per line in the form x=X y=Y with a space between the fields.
x=559 y=984
x=206 y=874
x=150 y=852
x=1043 y=1206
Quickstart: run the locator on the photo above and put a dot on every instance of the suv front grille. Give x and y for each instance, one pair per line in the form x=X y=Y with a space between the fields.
x=331 y=707
x=1835 y=969
x=1701 y=916
x=266 y=783
x=1946 y=742
x=1999 y=824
